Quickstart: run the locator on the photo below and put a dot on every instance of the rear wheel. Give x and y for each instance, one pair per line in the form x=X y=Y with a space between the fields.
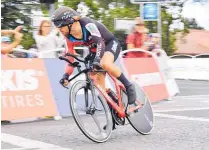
x=90 y=115
x=141 y=119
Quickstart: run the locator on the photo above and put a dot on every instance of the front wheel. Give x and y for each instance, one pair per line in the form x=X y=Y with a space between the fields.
x=90 y=115
x=142 y=119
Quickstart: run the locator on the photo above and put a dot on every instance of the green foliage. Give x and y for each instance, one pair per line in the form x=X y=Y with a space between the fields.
x=126 y=12
x=94 y=8
x=192 y=24
x=28 y=39
x=15 y=13
x=124 y=9
x=72 y=3
x=44 y=10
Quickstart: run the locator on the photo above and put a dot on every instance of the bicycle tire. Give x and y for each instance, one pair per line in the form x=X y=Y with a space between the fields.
x=73 y=92
x=143 y=120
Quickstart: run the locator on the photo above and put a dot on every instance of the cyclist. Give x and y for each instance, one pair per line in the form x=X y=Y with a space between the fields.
x=87 y=32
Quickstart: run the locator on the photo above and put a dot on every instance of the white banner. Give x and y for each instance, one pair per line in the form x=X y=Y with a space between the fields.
x=123 y=24
x=190 y=68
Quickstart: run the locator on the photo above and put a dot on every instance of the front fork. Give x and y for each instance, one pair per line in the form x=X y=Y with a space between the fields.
x=92 y=108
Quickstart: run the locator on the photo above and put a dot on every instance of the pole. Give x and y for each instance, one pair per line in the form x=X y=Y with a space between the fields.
x=141 y=5
x=159 y=25
x=51 y=9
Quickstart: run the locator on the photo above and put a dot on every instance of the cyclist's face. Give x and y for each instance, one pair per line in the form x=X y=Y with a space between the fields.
x=64 y=30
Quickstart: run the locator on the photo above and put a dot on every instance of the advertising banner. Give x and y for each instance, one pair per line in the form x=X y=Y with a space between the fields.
x=146 y=73
x=25 y=89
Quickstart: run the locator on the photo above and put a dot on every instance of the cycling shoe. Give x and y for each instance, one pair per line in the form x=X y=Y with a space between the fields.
x=131 y=93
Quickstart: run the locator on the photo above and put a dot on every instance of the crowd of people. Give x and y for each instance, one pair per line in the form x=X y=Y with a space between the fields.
x=141 y=38
x=47 y=39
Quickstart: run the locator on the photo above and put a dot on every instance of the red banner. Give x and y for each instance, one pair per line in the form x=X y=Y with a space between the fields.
x=146 y=73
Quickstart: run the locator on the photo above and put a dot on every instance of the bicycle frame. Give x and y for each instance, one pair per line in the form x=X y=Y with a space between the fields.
x=118 y=108
x=131 y=112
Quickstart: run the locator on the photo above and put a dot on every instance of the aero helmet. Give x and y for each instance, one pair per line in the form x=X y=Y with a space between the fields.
x=63 y=16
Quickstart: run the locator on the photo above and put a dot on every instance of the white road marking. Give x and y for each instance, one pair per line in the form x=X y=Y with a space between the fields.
x=183 y=109
x=57 y=148
x=181 y=117
x=15 y=149
x=192 y=96
x=28 y=143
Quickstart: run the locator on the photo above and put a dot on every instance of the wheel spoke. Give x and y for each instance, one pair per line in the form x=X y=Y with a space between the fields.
x=80 y=108
x=87 y=112
x=97 y=122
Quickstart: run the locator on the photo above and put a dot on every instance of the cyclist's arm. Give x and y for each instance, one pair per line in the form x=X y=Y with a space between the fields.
x=97 y=38
x=69 y=49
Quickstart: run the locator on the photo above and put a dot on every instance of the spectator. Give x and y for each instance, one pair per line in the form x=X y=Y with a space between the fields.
x=33 y=48
x=6 y=46
x=155 y=40
x=5 y=41
x=137 y=38
x=47 y=40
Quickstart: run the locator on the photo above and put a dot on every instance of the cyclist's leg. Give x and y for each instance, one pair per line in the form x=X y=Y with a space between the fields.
x=100 y=78
x=107 y=63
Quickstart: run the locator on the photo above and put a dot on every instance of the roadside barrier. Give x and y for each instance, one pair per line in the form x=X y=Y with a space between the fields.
x=147 y=73
x=30 y=87
x=190 y=67
x=25 y=89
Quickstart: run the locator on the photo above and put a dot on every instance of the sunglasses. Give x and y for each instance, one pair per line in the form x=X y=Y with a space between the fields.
x=60 y=22
x=46 y=26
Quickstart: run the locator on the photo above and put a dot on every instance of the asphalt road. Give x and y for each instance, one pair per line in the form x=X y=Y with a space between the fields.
x=180 y=124
x=189 y=87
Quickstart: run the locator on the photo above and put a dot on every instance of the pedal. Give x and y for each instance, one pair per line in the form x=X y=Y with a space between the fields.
x=133 y=109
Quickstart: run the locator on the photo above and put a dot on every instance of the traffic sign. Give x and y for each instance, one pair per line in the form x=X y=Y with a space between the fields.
x=150 y=11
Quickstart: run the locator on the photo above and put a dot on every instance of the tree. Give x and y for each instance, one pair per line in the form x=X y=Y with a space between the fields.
x=15 y=13
x=106 y=10
x=169 y=33
x=126 y=12
x=72 y=3
x=192 y=24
